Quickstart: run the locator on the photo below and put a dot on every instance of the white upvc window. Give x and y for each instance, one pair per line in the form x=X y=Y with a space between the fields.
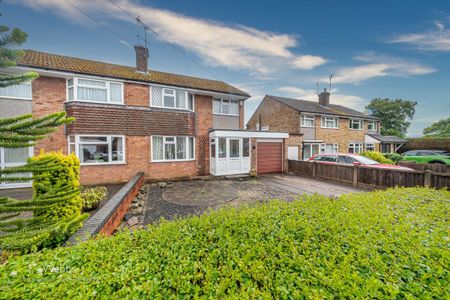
x=329 y=122
x=18 y=91
x=173 y=148
x=370 y=146
x=225 y=107
x=307 y=121
x=355 y=148
x=356 y=124
x=98 y=149
x=371 y=125
x=171 y=98
x=328 y=148
x=93 y=90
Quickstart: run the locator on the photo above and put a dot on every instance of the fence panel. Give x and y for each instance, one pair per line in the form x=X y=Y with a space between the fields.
x=440 y=168
x=335 y=172
x=440 y=180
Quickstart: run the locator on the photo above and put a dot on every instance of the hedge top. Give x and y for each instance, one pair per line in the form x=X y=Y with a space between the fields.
x=383 y=244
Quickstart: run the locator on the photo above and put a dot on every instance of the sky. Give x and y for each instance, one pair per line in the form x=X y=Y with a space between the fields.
x=372 y=49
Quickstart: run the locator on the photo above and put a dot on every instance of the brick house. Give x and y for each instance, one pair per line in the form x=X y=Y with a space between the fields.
x=131 y=119
x=320 y=127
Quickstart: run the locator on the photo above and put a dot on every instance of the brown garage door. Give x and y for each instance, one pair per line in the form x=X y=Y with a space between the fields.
x=269 y=157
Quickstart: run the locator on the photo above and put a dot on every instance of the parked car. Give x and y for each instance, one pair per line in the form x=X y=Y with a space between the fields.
x=428 y=156
x=354 y=159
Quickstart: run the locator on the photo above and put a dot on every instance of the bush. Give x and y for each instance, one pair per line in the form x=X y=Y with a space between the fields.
x=395 y=157
x=377 y=156
x=92 y=197
x=384 y=244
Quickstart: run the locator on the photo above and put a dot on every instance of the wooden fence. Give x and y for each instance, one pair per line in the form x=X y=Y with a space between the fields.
x=440 y=168
x=369 y=177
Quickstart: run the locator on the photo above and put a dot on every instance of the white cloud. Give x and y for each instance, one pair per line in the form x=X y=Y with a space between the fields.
x=432 y=40
x=351 y=101
x=378 y=66
x=232 y=46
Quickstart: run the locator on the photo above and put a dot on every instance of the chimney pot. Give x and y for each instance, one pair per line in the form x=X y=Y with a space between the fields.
x=141 y=59
x=324 y=98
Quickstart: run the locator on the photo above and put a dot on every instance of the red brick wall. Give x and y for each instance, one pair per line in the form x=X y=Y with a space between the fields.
x=203 y=108
x=115 y=219
x=136 y=94
x=49 y=95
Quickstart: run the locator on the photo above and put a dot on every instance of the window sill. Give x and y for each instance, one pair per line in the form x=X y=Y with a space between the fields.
x=329 y=127
x=97 y=102
x=228 y=115
x=103 y=164
x=15 y=98
x=356 y=129
x=172 y=160
x=304 y=126
x=174 y=108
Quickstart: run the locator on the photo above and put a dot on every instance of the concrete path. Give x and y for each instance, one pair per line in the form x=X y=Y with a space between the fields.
x=300 y=185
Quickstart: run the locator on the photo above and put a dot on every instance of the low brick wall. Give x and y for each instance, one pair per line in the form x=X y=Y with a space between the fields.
x=109 y=216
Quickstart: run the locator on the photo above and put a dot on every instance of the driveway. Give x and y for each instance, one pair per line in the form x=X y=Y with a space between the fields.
x=186 y=198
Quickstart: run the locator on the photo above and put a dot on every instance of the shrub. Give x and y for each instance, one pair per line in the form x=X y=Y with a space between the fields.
x=384 y=244
x=377 y=156
x=395 y=157
x=92 y=197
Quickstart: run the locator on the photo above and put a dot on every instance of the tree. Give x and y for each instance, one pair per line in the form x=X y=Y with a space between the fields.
x=18 y=232
x=394 y=114
x=438 y=129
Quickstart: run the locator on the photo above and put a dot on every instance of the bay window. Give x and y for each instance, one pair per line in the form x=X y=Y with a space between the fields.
x=171 y=98
x=98 y=149
x=225 y=107
x=93 y=90
x=355 y=148
x=18 y=91
x=329 y=122
x=172 y=148
x=307 y=120
x=356 y=124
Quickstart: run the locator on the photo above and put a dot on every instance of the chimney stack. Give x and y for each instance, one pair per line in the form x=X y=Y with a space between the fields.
x=324 y=98
x=141 y=59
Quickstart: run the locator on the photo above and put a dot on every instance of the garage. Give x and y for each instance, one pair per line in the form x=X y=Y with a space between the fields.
x=269 y=157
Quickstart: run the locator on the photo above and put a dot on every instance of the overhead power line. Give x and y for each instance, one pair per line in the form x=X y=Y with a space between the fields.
x=121 y=39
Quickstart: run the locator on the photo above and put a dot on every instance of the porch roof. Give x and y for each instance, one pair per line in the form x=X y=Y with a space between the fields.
x=387 y=138
x=247 y=134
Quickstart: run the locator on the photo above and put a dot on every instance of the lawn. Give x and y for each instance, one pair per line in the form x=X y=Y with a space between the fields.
x=382 y=244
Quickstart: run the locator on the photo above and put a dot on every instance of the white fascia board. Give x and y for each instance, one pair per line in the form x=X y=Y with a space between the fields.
x=249 y=134
x=67 y=75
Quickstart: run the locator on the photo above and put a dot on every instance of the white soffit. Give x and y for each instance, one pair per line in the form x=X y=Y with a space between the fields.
x=249 y=134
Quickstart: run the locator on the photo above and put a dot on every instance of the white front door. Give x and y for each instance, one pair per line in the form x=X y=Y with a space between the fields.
x=232 y=156
x=12 y=158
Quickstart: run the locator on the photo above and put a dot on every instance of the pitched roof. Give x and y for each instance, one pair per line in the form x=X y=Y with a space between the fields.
x=315 y=107
x=55 y=62
x=387 y=138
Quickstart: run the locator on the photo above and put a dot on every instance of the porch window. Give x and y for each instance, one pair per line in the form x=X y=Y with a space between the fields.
x=372 y=126
x=370 y=147
x=246 y=147
x=82 y=89
x=225 y=107
x=222 y=147
x=18 y=91
x=172 y=148
x=93 y=149
x=355 y=148
x=213 y=148
x=234 y=148
x=329 y=122
x=355 y=124
x=307 y=120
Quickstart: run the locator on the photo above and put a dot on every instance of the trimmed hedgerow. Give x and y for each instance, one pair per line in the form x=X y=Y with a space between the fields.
x=377 y=156
x=382 y=244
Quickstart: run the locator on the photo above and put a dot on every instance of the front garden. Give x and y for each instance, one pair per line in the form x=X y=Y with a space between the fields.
x=382 y=244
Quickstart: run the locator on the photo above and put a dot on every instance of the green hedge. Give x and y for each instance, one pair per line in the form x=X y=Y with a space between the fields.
x=384 y=244
x=377 y=156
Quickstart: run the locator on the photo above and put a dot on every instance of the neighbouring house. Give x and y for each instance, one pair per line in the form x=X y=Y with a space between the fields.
x=321 y=127
x=132 y=119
